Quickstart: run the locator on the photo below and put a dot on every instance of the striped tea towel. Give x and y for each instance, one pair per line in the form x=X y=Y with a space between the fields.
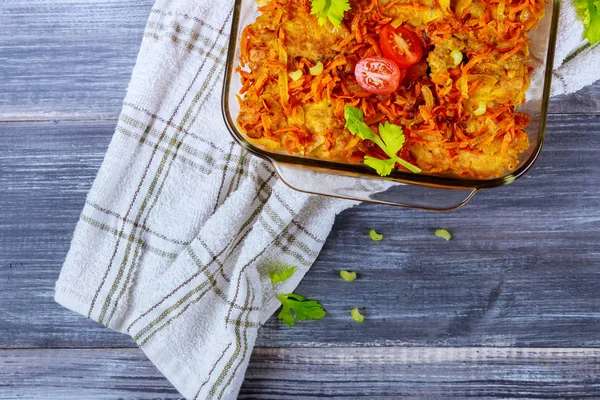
x=181 y=226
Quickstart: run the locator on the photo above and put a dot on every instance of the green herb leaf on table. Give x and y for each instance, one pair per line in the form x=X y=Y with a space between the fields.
x=391 y=139
x=332 y=10
x=296 y=307
x=282 y=276
x=589 y=12
x=348 y=276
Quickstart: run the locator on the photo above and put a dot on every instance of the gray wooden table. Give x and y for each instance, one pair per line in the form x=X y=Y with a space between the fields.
x=509 y=308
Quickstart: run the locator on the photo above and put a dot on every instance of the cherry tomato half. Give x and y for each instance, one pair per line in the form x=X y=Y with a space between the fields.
x=401 y=45
x=378 y=75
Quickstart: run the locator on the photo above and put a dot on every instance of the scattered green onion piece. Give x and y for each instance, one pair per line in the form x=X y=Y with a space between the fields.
x=376 y=237
x=500 y=10
x=396 y=23
x=317 y=69
x=480 y=110
x=295 y=75
x=281 y=275
x=457 y=56
x=443 y=233
x=357 y=316
x=427 y=95
x=348 y=276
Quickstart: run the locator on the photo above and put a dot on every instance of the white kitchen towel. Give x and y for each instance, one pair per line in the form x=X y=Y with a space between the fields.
x=181 y=226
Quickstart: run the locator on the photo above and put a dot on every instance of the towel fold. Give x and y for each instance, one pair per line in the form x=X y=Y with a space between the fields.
x=181 y=227
x=576 y=61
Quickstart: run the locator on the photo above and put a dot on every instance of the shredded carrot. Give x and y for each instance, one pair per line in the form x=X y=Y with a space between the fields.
x=338 y=62
x=509 y=54
x=370 y=7
x=356 y=28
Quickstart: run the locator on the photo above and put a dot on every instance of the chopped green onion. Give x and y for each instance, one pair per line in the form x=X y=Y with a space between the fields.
x=427 y=95
x=317 y=69
x=444 y=234
x=357 y=316
x=348 y=276
x=396 y=23
x=282 y=275
x=457 y=56
x=376 y=237
x=295 y=75
x=480 y=110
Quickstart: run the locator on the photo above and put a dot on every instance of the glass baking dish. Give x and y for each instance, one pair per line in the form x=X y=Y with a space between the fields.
x=359 y=182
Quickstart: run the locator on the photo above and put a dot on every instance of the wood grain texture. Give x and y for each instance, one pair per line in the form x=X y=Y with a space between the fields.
x=67 y=59
x=522 y=269
x=72 y=59
x=279 y=374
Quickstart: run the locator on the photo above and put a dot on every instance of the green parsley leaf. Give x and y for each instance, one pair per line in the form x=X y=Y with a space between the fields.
x=332 y=10
x=296 y=307
x=391 y=139
x=357 y=316
x=589 y=12
x=443 y=233
x=282 y=276
x=376 y=237
x=348 y=276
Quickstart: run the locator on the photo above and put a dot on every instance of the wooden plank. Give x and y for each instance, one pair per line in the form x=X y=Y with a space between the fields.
x=67 y=59
x=422 y=373
x=522 y=269
x=585 y=101
x=81 y=374
x=72 y=59
x=378 y=373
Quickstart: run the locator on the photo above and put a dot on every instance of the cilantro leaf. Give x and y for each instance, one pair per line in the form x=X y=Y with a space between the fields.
x=282 y=276
x=589 y=13
x=391 y=140
x=409 y=166
x=296 y=307
x=383 y=167
x=332 y=10
x=356 y=126
x=393 y=137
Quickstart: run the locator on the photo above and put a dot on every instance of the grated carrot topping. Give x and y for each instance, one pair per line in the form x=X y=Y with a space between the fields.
x=435 y=109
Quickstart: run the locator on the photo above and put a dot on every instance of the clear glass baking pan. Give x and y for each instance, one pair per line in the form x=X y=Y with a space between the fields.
x=359 y=182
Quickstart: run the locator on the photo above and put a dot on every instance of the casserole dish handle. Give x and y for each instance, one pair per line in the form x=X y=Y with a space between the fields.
x=349 y=185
